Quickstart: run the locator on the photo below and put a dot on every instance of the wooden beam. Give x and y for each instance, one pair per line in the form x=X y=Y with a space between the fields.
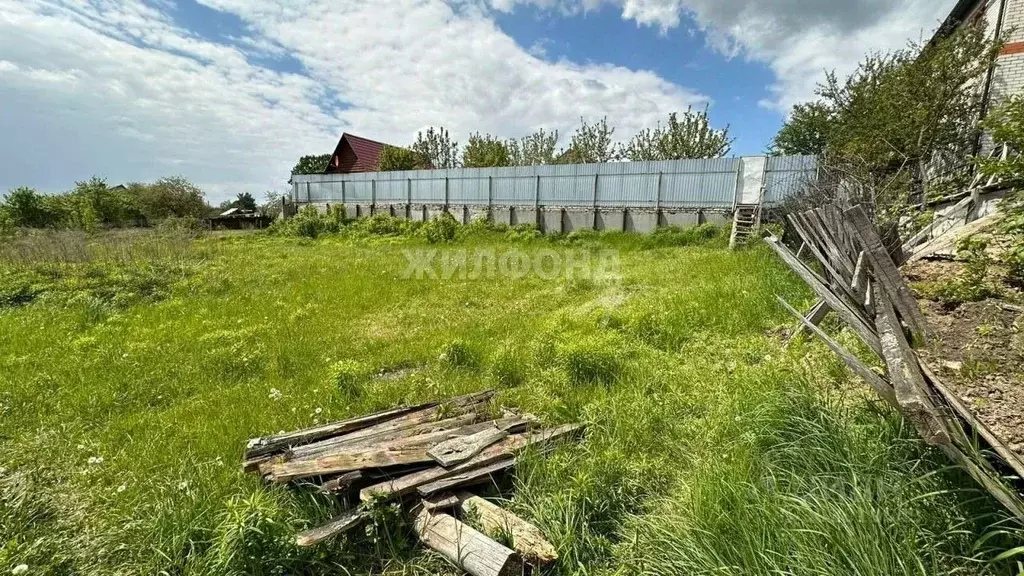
x=342 y=483
x=527 y=539
x=816 y=314
x=458 y=450
x=504 y=449
x=883 y=388
x=887 y=275
x=338 y=525
x=837 y=304
x=463 y=546
x=415 y=427
x=906 y=377
x=466 y=478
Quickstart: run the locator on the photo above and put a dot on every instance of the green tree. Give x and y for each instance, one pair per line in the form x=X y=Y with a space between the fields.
x=393 y=158
x=313 y=164
x=690 y=136
x=169 y=197
x=438 y=148
x=806 y=131
x=486 y=151
x=591 y=144
x=245 y=201
x=533 y=150
x=26 y=208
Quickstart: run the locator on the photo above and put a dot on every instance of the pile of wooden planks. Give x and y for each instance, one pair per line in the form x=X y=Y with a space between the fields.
x=849 y=269
x=423 y=456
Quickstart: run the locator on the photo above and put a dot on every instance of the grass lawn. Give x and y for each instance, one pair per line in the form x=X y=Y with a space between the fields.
x=132 y=373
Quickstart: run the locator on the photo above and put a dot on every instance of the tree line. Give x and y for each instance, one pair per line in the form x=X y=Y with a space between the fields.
x=92 y=204
x=685 y=135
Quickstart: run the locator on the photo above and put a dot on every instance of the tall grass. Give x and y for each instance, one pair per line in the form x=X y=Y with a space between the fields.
x=711 y=448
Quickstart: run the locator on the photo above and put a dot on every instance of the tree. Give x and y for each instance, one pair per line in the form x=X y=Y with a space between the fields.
x=245 y=201
x=533 y=150
x=394 y=158
x=314 y=164
x=591 y=144
x=486 y=151
x=806 y=131
x=25 y=208
x=690 y=137
x=438 y=148
x=173 y=197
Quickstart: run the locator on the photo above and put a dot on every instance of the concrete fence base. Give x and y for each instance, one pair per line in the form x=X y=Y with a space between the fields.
x=549 y=219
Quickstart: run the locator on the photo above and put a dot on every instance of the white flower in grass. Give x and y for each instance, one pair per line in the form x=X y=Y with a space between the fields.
x=183 y=485
x=122 y=488
x=95 y=460
x=81 y=446
x=318 y=411
x=219 y=461
x=275 y=394
x=20 y=569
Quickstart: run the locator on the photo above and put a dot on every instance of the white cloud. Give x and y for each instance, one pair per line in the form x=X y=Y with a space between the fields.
x=798 y=39
x=116 y=88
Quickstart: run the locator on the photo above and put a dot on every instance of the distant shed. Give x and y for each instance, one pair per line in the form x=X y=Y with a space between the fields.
x=238 y=219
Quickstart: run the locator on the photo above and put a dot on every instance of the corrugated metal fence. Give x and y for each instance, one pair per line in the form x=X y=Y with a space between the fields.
x=674 y=184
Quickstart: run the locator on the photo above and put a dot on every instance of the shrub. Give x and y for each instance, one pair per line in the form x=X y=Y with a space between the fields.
x=524 y=231
x=346 y=376
x=441 y=228
x=973 y=284
x=458 y=354
x=668 y=236
x=383 y=225
x=310 y=222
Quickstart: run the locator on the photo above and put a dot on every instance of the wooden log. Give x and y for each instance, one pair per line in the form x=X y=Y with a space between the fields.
x=466 y=478
x=527 y=539
x=441 y=501
x=458 y=450
x=269 y=445
x=509 y=446
x=1012 y=459
x=883 y=388
x=906 y=377
x=338 y=525
x=837 y=304
x=887 y=275
x=463 y=546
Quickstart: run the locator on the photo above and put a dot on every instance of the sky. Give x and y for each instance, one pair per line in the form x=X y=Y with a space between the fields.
x=229 y=93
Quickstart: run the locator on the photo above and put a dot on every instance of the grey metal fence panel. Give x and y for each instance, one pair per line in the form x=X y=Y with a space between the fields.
x=788 y=175
x=672 y=184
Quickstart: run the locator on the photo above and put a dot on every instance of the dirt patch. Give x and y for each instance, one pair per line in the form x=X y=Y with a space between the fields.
x=978 y=351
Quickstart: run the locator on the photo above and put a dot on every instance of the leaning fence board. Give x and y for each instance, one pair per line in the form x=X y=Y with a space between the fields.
x=816 y=314
x=458 y=450
x=860 y=326
x=887 y=275
x=527 y=539
x=468 y=549
x=1005 y=452
x=906 y=377
x=883 y=388
x=815 y=250
x=338 y=525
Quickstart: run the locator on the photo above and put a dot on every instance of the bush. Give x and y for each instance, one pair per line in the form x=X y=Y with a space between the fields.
x=383 y=225
x=669 y=236
x=458 y=354
x=524 y=232
x=346 y=376
x=310 y=222
x=973 y=284
x=441 y=228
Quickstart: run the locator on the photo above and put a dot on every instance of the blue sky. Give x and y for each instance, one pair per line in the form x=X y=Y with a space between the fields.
x=228 y=93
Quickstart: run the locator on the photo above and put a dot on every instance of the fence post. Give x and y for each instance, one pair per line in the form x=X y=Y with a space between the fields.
x=594 y=226
x=343 y=196
x=446 y=193
x=408 y=199
x=536 y=202
x=657 y=202
x=373 y=196
x=490 y=196
x=309 y=195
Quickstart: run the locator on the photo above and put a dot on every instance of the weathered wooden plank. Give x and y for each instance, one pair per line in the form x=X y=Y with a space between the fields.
x=988 y=480
x=414 y=428
x=915 y=240
x=458 y=450
x=860 y=275
x=268 y=445
x=338 y=525
x=527 y=539
x=509 y=446
x=883 y=388
x=1012 y=459
x=837 y=304
x=463 y=546
x=839 y=256
x=887 y=275
x=815 y=315
x=465 y=478
x=402 y=426
x=342 y=483
x=906 y=377
x=440 y=501
x=816 y=251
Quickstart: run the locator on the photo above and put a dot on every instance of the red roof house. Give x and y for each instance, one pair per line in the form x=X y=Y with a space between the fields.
x=355 y=154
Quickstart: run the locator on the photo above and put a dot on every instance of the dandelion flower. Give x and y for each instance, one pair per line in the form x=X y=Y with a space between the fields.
x=122 y=488
x=20 y=569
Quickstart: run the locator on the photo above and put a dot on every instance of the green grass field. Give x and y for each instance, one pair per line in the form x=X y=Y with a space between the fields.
x=133 y=368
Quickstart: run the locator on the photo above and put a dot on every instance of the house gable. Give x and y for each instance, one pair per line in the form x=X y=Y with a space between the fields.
x=355 y=154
